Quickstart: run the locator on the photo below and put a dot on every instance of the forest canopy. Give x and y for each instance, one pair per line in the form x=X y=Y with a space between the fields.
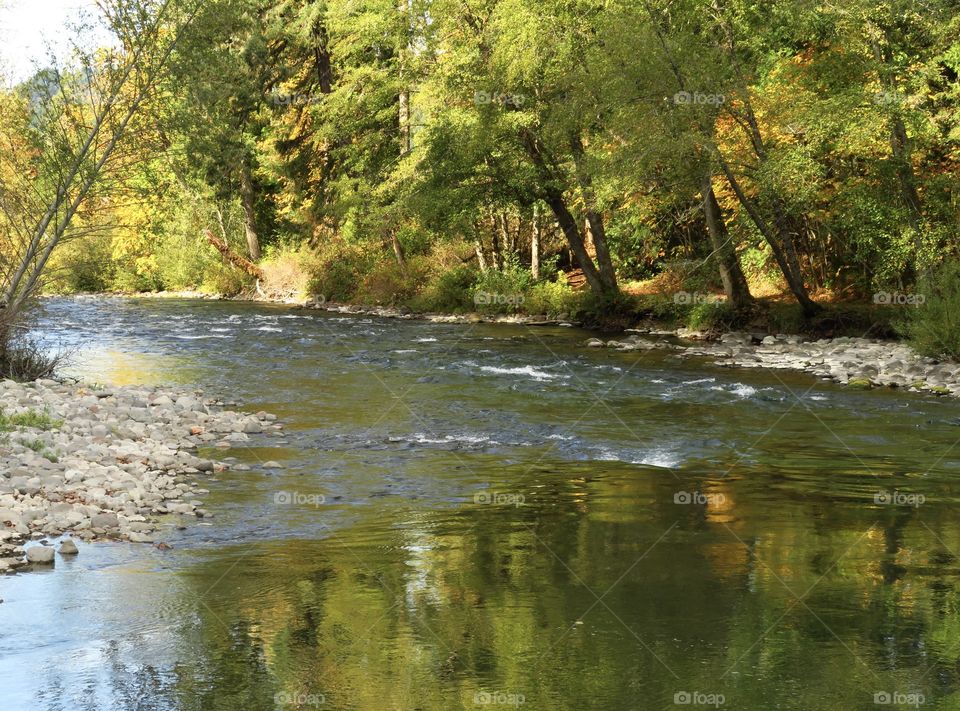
x=497 y=154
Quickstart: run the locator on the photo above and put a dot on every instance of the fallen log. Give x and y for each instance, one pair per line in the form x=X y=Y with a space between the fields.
x=235 y=259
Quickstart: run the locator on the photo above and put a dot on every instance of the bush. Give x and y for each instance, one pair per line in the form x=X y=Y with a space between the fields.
x=933 y=326
x=82 y=265
x=447 y=291
x=337 y=270
x=553 y=298
x=285 y=274
x=607 y=312
x=185 y=261
x=22 y=359
x=392 y=284
x=502 y=291
x=713 y=316
x=225 y=280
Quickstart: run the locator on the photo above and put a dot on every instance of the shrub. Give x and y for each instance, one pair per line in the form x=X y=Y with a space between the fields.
x=285 y=274
x=448 y=291
x=502 y=291
x=82 y=265
x=185 y=261
x=22 y=358
x=712 y=316
x=553 y=298
x=337 y=269
x=225 y=280
x=392 y=284
x=608 y=312
x=933 y=326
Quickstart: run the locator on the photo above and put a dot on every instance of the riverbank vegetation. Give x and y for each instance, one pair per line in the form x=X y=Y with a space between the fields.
x=715 y=163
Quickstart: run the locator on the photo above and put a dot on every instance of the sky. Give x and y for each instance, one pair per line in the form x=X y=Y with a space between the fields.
x=29 y=27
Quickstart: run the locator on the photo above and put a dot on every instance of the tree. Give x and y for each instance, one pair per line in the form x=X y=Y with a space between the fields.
x=70 y=126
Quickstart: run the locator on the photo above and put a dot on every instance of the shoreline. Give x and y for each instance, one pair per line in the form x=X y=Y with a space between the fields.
x=81 y=463
x=861 y=363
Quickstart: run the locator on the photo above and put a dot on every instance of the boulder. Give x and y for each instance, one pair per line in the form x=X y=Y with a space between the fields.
x=40 y=555
x=104 y=520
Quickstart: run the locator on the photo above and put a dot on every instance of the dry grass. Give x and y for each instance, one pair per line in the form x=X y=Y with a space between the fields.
x=285 y=276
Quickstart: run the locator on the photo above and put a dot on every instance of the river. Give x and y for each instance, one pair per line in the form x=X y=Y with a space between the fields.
x=490 y=516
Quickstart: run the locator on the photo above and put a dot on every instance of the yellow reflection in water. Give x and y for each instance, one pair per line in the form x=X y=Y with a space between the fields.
x=120 y=368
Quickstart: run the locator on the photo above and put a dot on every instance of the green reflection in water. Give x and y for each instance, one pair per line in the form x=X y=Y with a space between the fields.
x=581 y=598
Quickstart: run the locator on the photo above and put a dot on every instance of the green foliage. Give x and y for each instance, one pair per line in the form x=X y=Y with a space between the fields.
x=337 y=270
x=502 y=291
x=552 y=298
x=713 y=316
x=331 y=129
x=393 y=284
x=30 y=418
x=447 y=291
x=84 y=266
x=225 y=280
x=933 y=326
x=608 y=312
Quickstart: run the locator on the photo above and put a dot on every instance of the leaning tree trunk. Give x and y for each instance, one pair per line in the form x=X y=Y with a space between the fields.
x=734 y=282
x=235 y=259
x=788 y=266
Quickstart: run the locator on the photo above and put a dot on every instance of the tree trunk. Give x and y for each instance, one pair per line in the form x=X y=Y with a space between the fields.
x=594 y=220
x=481 y=259
x=321 y=51
x=247 y=197
x=406 y=137
x=788 y=263
x=495 y=250
x=552 y=195
x=397 y=248
x=505 y=240
x=232 y=257
x=535 y=243
x=734 y=283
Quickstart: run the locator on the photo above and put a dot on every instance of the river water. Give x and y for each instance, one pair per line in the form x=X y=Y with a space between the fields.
x=490 y=517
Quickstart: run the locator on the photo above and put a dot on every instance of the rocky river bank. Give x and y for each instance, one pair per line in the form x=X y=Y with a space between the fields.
x=79 y=462
x=855 y=362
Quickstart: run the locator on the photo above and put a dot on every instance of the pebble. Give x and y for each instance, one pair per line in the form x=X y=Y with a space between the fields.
x=856 y=362
x=110 y=464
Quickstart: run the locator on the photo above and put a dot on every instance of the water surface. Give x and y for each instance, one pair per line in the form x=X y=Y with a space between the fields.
x=494 y=516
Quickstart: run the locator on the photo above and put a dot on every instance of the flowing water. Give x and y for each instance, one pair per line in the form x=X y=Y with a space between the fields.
x=488 y=517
